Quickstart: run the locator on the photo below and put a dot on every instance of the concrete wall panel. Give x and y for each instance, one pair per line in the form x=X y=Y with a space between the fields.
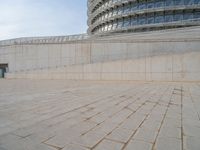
x=165 y=57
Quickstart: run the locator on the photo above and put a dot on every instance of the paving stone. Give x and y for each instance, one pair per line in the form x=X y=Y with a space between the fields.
x=138 y=145
x=155 y=116
x=120 y=116
x=133 y=122
x=165 y=143
x=172 y=122
x=99 y=118
x=191 y=130
x=133 y=106
x=6 y=129
x=173 y=132
x=83 y=126
x=74 y=147
x=191 y=143
x=74 y=115
x=109 y=145
x=151 y=124
x=105 y=127
x=61 y=139
x=89 y=113
x=89 y=140
x=146 y=135
x=191 y=122
x=12 y=142
x=120 y=134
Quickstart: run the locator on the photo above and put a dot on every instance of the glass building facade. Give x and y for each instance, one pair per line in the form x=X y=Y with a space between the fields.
x=115 y=16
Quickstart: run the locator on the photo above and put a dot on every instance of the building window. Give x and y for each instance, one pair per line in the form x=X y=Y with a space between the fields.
x=168 y=16
x=134 y=21
x=196 y=1
x=126 y=22
x=150 y=18
x=150 y=4
x=169 y=3
x=106 y=15
x=103 y=28
x=114 y=11
x=114 y=26
x=178 y=2
x=106 y=27
x=142 y=19
x=127 y=8
x=189 y=2
x=159 y=3
x=178 y=16
x=110 y=13
x=120 y=10
x=119 y=23
x=196 y=14
x=188 y=15
x=159 y=17
x=109 y=26
x=134 y=6
x=114 y=1
x=142 y=4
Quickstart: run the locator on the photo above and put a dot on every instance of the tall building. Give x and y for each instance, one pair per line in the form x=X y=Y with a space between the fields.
x=114 y=16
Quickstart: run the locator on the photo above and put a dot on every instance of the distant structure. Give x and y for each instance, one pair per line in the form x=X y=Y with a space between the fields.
x=116 y=16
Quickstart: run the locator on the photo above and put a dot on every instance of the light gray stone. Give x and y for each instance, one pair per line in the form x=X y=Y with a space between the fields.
x=89 y=140
x=107 y=144
x=48 y=114
x=137 y=144
x=120 y=134
x=191 y=143
x=145 y=134
x=74 y=147
x=166 y=143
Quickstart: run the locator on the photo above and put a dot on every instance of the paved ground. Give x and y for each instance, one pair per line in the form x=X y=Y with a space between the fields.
x=71 y=115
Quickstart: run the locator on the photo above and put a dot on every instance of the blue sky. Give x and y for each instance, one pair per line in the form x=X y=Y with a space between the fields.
x=25 y=18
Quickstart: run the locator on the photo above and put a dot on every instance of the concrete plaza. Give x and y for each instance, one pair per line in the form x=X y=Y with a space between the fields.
x=99 y=115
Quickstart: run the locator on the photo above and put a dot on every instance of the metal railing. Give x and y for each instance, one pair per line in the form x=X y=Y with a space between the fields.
x=41 y=40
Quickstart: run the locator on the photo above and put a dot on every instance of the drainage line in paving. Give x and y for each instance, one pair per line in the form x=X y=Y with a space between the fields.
x=181 y=117
x=123 y=122
x=125 y=145
x=118 y=111
x=153 y=146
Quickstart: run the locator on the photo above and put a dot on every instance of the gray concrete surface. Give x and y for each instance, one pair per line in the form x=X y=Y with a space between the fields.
x=83 y=115
x=171 y=55
x=179 y=67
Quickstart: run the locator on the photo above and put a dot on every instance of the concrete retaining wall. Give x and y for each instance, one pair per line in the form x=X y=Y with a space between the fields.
x=164 y=57
x=43 y=56
x=184 y=67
